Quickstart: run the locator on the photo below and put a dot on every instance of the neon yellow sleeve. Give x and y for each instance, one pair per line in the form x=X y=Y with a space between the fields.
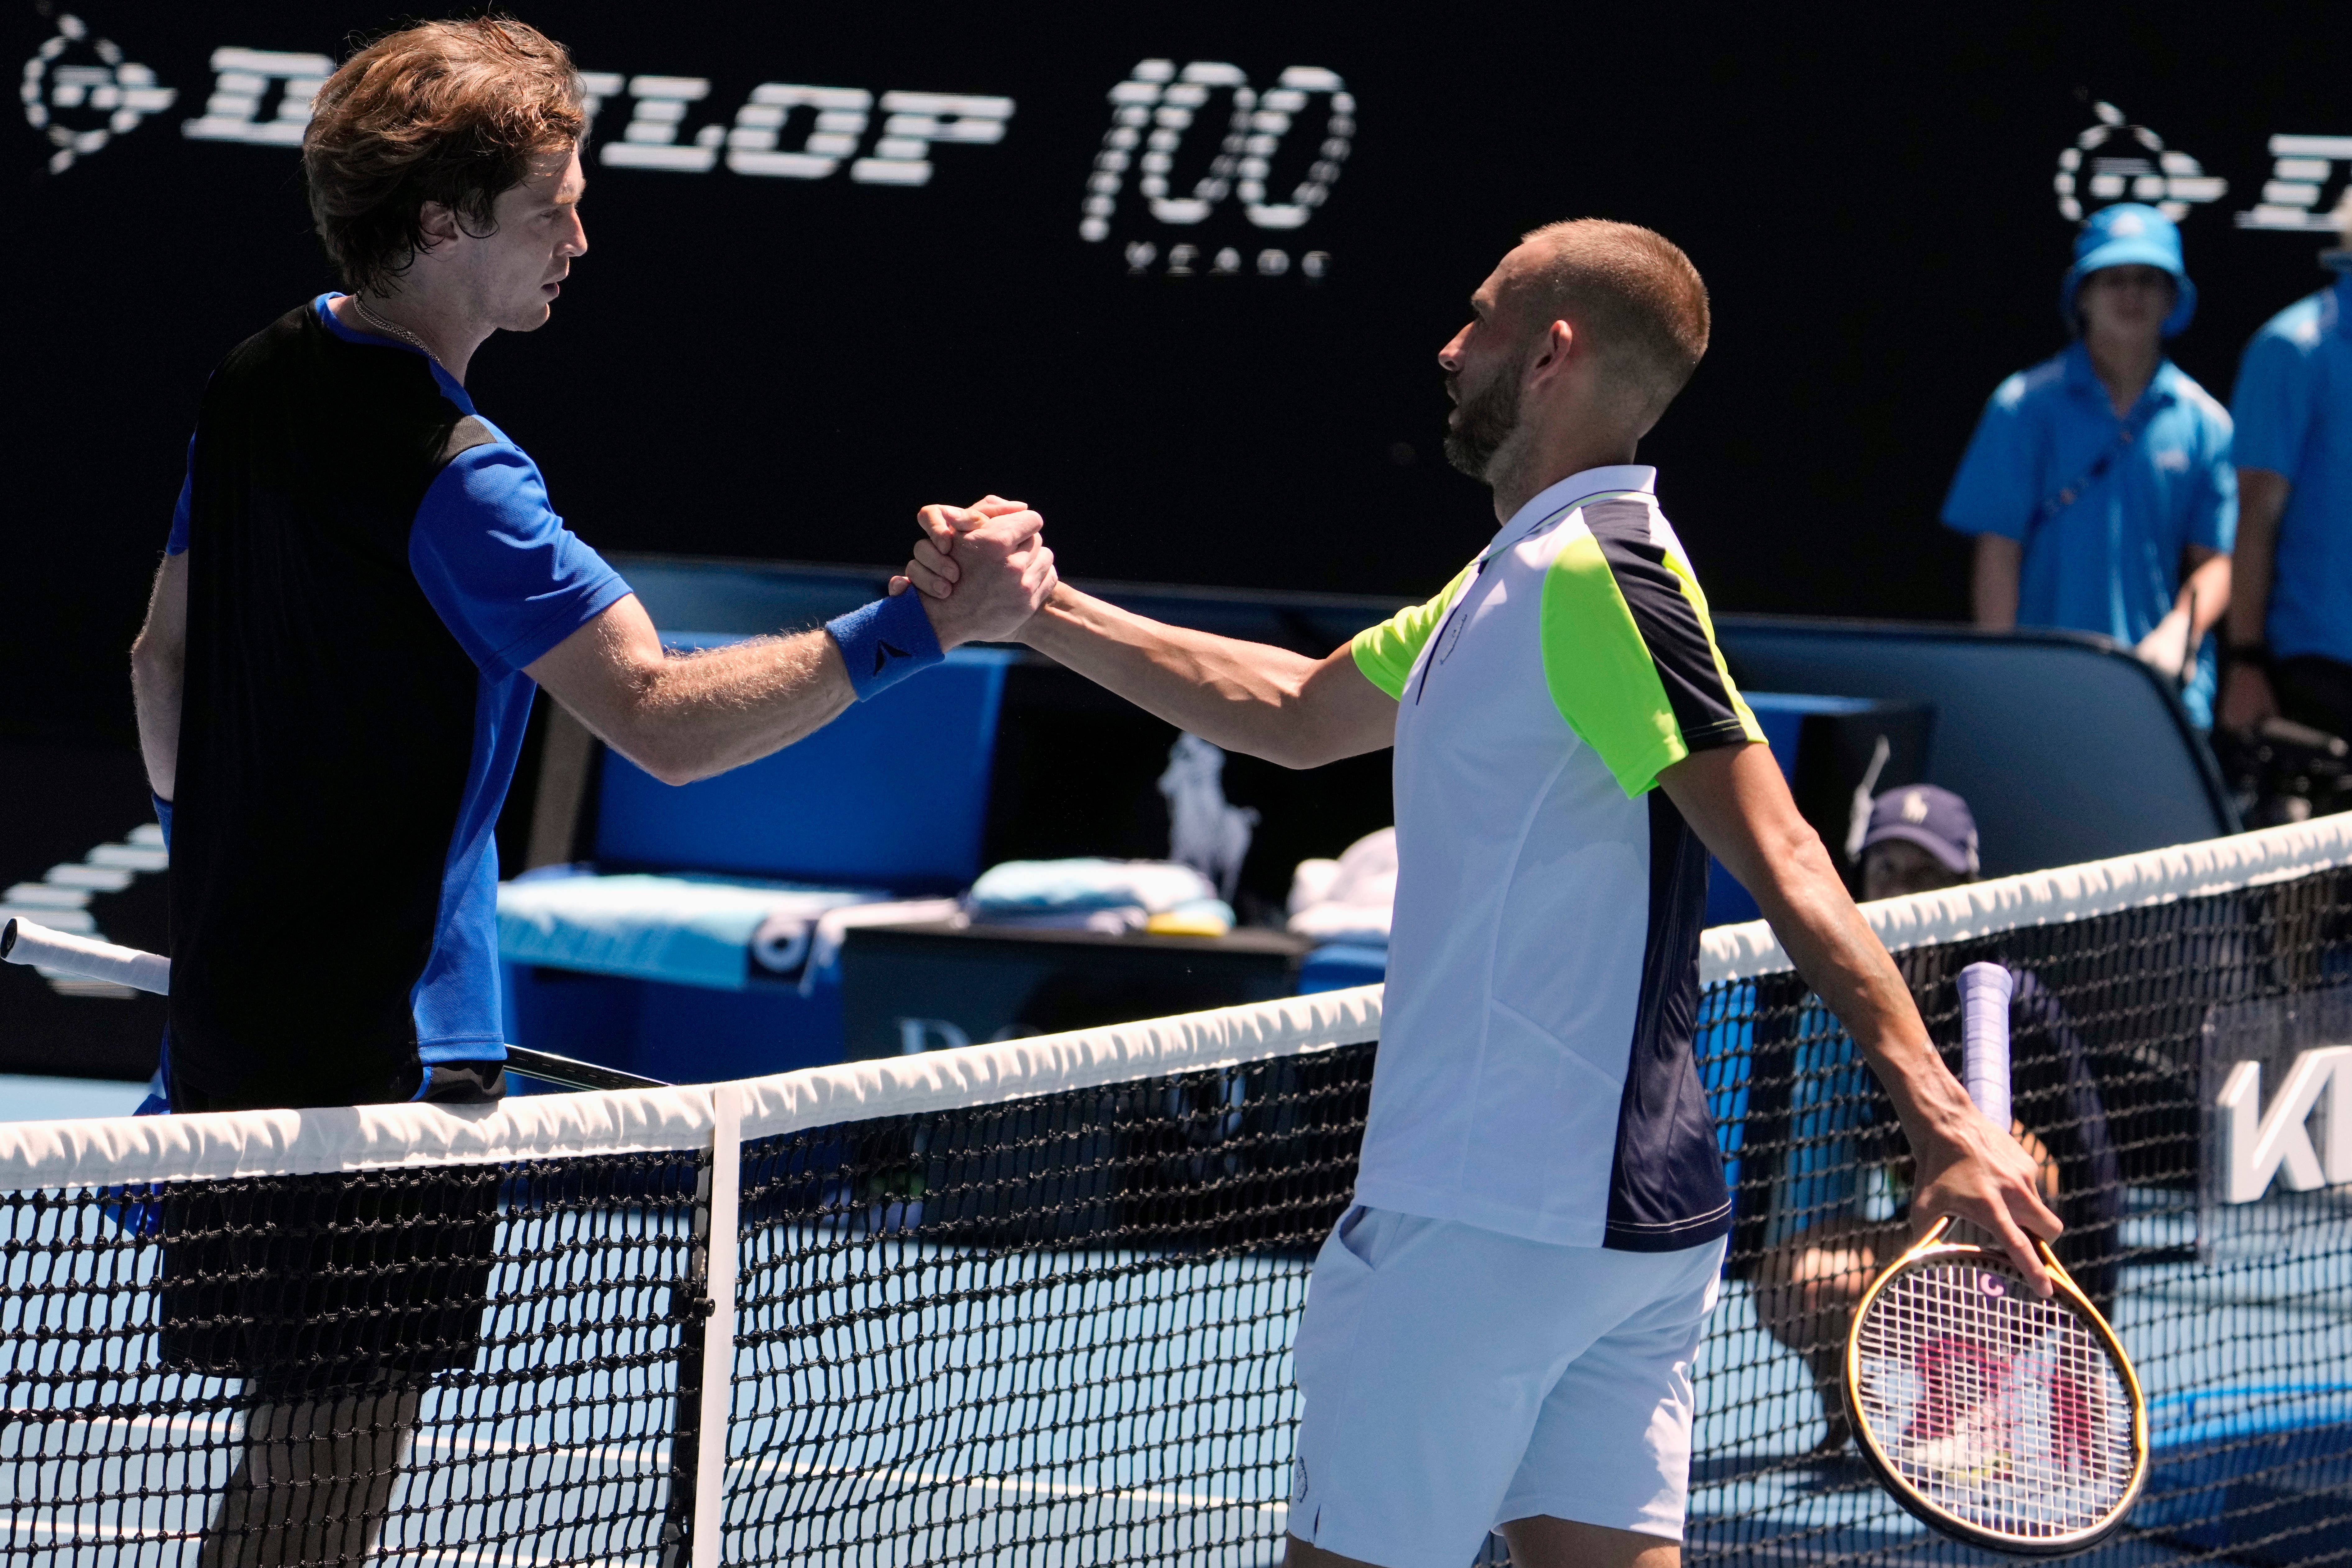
x=1629 y=657
x=1385 y=652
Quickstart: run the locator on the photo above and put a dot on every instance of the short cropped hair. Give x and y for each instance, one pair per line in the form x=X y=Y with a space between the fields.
x=1634 y=290
x=449 y=112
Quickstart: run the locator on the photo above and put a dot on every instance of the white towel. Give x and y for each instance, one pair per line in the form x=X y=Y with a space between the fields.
x=1350 y=898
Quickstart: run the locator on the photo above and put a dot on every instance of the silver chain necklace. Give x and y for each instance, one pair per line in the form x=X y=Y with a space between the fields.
x=393 y=329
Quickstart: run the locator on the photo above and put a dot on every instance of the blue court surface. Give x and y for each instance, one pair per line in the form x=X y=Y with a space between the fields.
x=24 y=1099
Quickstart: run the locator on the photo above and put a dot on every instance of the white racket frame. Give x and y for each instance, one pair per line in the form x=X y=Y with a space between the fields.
x=1985 y=990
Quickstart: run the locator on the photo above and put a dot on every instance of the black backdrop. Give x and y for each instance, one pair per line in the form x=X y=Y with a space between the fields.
x=787 y=367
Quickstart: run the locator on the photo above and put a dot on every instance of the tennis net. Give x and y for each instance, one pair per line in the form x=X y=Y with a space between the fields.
x=1032 y=1302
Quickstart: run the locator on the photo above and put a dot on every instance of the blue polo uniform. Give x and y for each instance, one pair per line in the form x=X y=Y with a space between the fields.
x=2110 y=562
x=2294 y=409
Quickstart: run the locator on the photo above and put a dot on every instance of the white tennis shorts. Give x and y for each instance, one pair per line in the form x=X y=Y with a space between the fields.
x=1455 y=1379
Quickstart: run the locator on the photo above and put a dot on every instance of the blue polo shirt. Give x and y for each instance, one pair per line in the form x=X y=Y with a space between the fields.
x=2111 y=561
x=361 y=613
x=2294 y=407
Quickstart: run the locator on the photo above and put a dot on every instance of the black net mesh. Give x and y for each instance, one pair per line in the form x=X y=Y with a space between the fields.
x=2238 y=1316
x=420 y=1365
x=1056 y=1331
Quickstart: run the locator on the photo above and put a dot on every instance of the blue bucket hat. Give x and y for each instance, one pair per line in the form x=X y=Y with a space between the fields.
x=2129 y=234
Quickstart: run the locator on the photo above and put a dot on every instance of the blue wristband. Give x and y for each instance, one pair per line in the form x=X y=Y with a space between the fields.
x=884 y=642
x=164 y=808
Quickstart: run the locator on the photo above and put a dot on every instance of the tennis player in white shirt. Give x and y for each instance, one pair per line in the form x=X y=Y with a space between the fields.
x=1499 y=1331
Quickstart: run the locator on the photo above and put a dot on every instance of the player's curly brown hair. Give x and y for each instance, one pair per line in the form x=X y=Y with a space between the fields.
x=454 y=113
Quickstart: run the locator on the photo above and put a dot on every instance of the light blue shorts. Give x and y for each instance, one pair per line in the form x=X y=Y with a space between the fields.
x=1455 y=1379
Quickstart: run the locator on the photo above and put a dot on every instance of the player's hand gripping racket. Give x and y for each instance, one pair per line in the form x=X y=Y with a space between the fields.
x=2002 y=1419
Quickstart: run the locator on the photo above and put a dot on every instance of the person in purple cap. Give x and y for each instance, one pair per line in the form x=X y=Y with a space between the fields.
x=2099 y=484
x=1919 y=838
x=1841 y=1185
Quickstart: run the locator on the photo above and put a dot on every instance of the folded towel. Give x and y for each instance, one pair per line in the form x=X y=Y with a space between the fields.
x=1037 y=887
x=1193 y=917
x=1350 y=898
x=691 y=930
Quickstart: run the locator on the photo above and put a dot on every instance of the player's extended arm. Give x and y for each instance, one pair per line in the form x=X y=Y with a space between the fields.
x=1247 y=697
x=2246 y=696
x=683 y=717
x=158 y=662
x=1735 y=800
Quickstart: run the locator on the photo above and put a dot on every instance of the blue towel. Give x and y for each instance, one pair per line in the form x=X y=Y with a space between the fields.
x=690 y=929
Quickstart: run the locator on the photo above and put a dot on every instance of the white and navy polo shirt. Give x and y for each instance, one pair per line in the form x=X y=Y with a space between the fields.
x=1536 y=1072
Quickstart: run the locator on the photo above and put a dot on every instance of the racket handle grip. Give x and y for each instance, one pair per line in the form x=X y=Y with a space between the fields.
x=85 y=958
x=1985 y=990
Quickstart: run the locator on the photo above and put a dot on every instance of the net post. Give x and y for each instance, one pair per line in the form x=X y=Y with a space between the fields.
x=717 y=1329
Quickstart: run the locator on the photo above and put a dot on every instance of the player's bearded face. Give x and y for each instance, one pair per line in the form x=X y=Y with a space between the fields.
x=1486 y=413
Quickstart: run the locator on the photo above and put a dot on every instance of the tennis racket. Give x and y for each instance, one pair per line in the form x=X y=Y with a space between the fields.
x=2001 y=1419
x=87 y=958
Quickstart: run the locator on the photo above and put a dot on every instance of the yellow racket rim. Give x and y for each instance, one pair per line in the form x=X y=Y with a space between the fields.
x=1891 y=1468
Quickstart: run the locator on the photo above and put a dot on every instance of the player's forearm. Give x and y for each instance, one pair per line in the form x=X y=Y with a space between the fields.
x=683 y=717
x=699 y=714
x=1966 y=1166
x=1735 y=799
x=1243 y=696
x=1848 y=968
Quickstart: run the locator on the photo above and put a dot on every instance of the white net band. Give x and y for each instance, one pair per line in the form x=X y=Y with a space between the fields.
x=1045 y=1064
x=293 y=1142
x=2057 y=896
x=110 y=1151
x=290 y=1143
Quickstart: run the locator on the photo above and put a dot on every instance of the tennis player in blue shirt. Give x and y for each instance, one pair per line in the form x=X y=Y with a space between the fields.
x=2290 y=630
x=2098 y=483
x=364 y=585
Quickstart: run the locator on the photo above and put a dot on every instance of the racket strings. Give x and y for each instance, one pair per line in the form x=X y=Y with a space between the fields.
x=1996 y=1406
